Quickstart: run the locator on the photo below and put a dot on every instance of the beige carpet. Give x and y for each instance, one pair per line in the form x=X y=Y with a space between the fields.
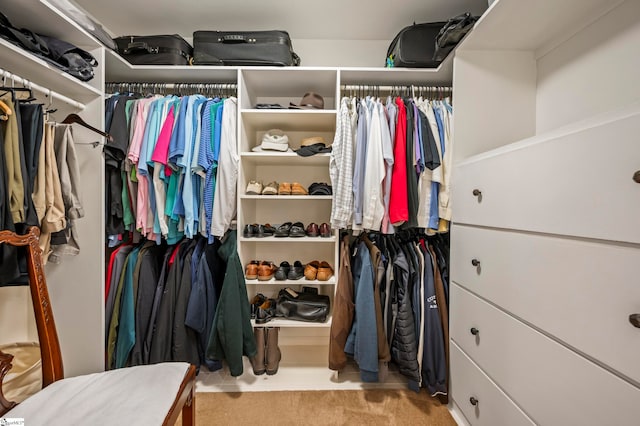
x=367 y=407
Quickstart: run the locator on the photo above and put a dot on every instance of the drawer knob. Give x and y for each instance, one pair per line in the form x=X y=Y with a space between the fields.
x=636 y=177
x=475 y=262
x=477 y=193
x=634 y=319
x=474 y=401
x=474 y=331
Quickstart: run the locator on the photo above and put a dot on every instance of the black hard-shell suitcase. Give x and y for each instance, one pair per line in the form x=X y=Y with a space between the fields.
x=155 y=50
x=414 y=46
x=243 y=48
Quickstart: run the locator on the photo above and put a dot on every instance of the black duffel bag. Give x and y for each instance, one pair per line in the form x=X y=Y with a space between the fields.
x=243 y=48
x=451 y=34
x=414 y=46
x=302 y=306
x=155 y=50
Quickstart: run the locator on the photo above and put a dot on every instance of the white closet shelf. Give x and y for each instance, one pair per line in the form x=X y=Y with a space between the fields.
x=30 y=67
x=400 y=76
x=286 y=197
x=42 y=17
x=283 y=159
x=290 y=119
x=289 y=240
x=302 y=281
x=285 y=323
x=501 y=26
x=290 y=82
x=118 y=69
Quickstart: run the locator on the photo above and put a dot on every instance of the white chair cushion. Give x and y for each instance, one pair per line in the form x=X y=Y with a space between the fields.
x=140 y=395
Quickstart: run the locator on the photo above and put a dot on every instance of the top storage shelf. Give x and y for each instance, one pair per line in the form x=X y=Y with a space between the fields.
x=532 y=25
x=44 y=18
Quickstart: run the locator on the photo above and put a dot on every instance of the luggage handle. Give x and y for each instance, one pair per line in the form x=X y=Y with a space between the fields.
x=137 y=46
x=235 y=38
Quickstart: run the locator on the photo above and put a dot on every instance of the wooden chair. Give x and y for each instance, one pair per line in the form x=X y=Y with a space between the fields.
x=142 y=395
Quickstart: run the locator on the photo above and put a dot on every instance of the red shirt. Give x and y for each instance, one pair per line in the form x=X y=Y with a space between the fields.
x=399 y=197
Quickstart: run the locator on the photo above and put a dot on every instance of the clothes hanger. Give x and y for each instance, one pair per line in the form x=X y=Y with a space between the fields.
x=6 y=111
x=76 y=119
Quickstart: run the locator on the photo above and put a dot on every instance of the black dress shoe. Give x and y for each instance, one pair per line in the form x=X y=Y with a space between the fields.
x=266 y=312
x=250 y=231
x=297 y=271
x=297 y=230
x=283 y=230
x=266 y=230
x=283 y=271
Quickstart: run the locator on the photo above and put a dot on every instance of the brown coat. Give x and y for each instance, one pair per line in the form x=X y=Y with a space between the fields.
x=343 y=310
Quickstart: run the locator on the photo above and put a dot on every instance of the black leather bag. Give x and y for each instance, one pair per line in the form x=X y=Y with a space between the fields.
x=413 y=47
x=155 y=50
x=243 y=48
x=451 y=34
x=302 y=306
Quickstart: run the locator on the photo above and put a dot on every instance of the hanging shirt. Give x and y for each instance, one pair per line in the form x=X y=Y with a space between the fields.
x=399 y=202
x=444 y=208
x=373 y=205
x=391 y=112
x=360 y=164
x=224 y=206
x=341 y=169
x=189 y=193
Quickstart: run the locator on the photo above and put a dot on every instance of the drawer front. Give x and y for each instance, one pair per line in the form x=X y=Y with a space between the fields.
x=552 y=384
x=580 y=292
x=492 y=407
x=579 y=184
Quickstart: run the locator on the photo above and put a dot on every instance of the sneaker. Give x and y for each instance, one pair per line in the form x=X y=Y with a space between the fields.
x=254 y=187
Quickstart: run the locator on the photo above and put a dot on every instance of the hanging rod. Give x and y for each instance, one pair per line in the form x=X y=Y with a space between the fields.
x=347 y=87
x=139 y=86
x=47 y=92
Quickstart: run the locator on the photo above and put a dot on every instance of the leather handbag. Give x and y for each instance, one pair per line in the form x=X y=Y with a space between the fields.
x=155 y=50
x=302 y=306
x=451 y=34
x=243 y=48
x=413 y=46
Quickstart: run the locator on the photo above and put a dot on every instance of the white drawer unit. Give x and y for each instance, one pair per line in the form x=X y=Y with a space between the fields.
x=539 y=186
x=552 y=384
x=481 y=401
x=580 y=292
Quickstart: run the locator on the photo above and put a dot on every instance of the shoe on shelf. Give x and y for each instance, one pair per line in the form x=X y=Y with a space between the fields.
x=325 y=230
x=312 y=230
x=270 y=189
x=250 y=231
x=320 y=188
x=265 y=230
x=283 y=230
x=272 y=351
x=325 y=272
x=266 y=270
x=254 y=187
x=266 y=312
x=297 y=230
x=257 y=300
x=311 y=270
x=297 y=271
x=251 y=271
x=283 y=271
x=298 y=189
x=284 y=188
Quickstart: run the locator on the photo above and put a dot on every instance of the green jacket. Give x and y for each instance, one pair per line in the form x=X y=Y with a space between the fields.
x=231 y=334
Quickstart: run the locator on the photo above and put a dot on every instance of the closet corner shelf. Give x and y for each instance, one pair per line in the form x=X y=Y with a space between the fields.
x=284 y=159
x=44 y=18
x=285 y=323
x=443 y=75
x=286 y=197
x=117 y=69
x=291 y=119
x=289 y=240
x=546 y=23
x=301 y=282
x=30 y=67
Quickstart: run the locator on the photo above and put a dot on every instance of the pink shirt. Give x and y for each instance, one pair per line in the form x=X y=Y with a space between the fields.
x=399 y=197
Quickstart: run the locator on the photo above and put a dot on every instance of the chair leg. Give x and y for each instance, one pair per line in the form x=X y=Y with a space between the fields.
x=189 y=410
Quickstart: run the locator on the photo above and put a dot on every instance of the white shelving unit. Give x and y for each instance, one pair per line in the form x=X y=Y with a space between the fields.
x=76 y=286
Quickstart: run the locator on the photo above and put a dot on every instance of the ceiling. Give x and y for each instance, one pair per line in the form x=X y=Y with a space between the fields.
x=303 y=19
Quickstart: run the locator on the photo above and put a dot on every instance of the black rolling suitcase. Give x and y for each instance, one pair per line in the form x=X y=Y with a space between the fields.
x=243 y=48
x=155 y=50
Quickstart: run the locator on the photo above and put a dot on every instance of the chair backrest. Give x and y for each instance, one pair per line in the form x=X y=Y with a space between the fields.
x=49 y=345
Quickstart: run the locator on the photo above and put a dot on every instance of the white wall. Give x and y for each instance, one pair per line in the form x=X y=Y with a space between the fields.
x=596 y=70
x=14 y=314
